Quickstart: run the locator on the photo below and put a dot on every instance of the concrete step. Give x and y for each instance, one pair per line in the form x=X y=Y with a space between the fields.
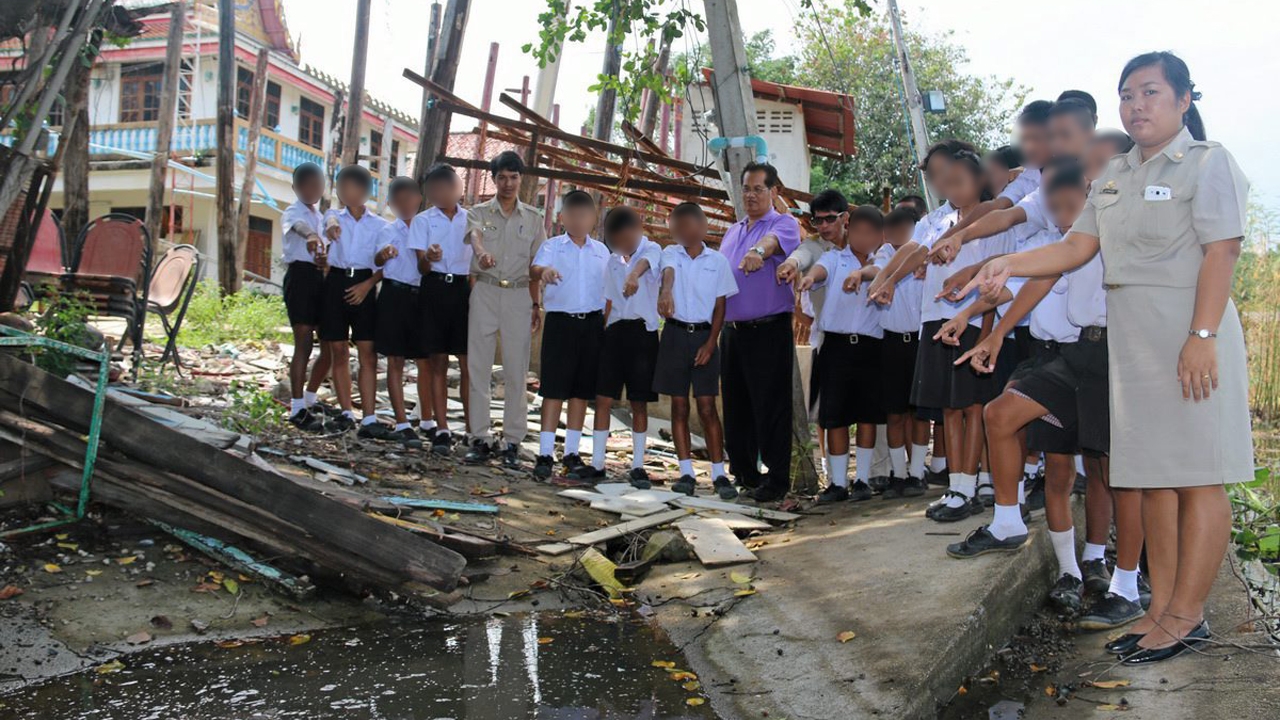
x=922 y=620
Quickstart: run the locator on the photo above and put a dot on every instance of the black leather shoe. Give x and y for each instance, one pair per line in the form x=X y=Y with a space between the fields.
x=510 y=457
x=833 y=493
x=942 y=477
x=1198 y=635
x=543 y=466
x=639 y=479
x=914 y=487
x=1097 y=578
x=769 y=493
x=879 y=483
x=1111 y=611
x=748 y=482
x=981 y=542
x=1067 y=595
x=724 y=489
x=945 y=513
x=1124 y=644
x=860 y=491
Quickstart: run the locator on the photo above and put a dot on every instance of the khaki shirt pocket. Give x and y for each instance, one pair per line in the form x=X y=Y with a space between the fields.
x=1109 y=212
x=1161 y=220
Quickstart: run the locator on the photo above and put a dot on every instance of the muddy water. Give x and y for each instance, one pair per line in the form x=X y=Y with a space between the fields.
x=501 y=668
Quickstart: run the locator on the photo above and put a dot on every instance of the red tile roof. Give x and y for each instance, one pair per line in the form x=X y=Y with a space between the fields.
x=828 y=116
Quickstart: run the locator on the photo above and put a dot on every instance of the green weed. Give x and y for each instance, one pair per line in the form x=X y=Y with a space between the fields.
x=251 y=409
x=65 y=319
x=245 y=317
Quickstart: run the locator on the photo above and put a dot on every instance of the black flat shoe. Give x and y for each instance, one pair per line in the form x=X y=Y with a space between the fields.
x=1198 y=634
x=1124 y=644
x=981 y=542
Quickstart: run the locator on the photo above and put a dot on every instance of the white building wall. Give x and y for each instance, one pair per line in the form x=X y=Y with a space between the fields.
x=780 y=124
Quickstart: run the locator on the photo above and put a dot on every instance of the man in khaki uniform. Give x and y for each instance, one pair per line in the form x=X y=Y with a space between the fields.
x=505 y=235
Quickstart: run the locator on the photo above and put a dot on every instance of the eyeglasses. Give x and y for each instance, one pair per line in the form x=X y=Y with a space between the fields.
x=824 y=219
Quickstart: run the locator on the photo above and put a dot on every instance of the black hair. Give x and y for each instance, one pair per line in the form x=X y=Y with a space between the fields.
x=869 y=214
x=1178 y=75
x=688 y=209
x=620 y=218
x=441 y=172
x=901 y=216
x=950 y=147
x=1081 y=96
x=1035 y=112
x=357 y=174
x=831 y=200
x=1119 y=139
x=970 y=160
x=1007 y=155
x=508 y=160
x=1077 y=109
x=770 y=173
x=306 y=171
x=402 y=184
x=577 y=199
x=919 y=203
x=1066 y=173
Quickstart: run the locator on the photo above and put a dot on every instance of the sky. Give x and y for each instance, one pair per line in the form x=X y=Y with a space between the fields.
x=1047 y=46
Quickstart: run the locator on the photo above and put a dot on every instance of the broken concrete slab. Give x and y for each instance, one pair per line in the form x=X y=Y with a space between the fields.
x=714 y=542
x=700 y=503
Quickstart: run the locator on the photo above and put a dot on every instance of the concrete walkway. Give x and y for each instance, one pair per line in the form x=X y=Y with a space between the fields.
x=922 y=621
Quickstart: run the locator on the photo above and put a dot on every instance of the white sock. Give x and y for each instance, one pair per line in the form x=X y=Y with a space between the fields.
x=863 y=459
x=309 y=398
x=984 y=478
x=717 y=470
x=1022 y=492
x=938 y=464
x=599 y=439
x=1030 y=468
x=403 y=426
x=350 y=415
x=546 y=442
x=1125 y=584
x=1079 y=465
x=1064 y=546
x=427 y=424
x=838 y=469
x=964 y=484
x=296 y=405
x=572 y=439
x=1093 y=552
x=898 y=461
x=686 y=467
x=1007 y=523
x=916 y=466
x=638 y=440
x=369 y=419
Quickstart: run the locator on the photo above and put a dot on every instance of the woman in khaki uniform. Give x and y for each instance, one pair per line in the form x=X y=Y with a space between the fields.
x=1168 y=217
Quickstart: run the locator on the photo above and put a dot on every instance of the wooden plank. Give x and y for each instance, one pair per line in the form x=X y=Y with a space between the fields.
x=626 y=528
x=468 y=545
x=735 y=521
x=626 y=506
x=714 y=542
x=661 y=496
x=756 y=512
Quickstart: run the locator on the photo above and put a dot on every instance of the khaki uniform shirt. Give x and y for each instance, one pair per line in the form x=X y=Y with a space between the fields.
x=513 y=240
x=1153 y=217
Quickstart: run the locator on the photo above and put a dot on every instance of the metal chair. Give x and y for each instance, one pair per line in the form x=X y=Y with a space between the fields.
x=173 y=283
x=111 y=265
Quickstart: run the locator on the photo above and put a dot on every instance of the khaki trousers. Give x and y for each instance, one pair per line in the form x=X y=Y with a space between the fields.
x=495 y=312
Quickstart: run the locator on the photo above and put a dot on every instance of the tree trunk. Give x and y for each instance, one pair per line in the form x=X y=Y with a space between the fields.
x=75 y=153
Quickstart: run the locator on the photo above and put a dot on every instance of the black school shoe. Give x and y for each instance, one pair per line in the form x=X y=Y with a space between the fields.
x=585 y=472
x=879 y=484
x=1035 y=492
x=1097 y=579
x=639 y=479
x=1112 y=611
x=893 y=487
x=987 y=494
x=374 y=431
x=442 y=443
x=1067 y=594
x=942 y=478
x=774 y=493
x=543 y=466
x=724 y=488
x=981 y=542
x=406 y=437
x=833 y=493
x=571 y=464
x=479 y=454
x=307 y=421
x=1198 y=635
x=325 y=409
x=685 y=485
x=341 y=423
x=510 y=457
x=914 y=487
x=945 y=513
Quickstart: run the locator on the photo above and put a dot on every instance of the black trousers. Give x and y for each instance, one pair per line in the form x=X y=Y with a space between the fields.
x=756 y=364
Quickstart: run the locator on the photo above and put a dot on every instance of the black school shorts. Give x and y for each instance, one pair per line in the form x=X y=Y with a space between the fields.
x=445 y=311
x=340 y=320
x=1073 y=388
x=675 y=374
x=845 y=381
x=571 y=355
x=940 y=384
x=898 y=353
x=303 y=293
x=399 y=332
x=1044 y=435
x=627 y=361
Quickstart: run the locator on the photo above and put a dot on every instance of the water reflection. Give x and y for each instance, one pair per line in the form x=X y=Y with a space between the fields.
x=529 y=666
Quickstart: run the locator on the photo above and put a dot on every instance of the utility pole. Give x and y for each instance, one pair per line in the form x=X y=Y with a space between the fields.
x=608 y=99
x=257 y=109
x=434 y=127
x=355 y=99
x=228 y=272
x=649 y=118
x=731 y=86
x=544 y=93
x=915 y=106
x=164 y=130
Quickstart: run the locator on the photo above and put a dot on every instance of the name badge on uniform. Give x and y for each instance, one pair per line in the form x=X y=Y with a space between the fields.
x=1158 y=193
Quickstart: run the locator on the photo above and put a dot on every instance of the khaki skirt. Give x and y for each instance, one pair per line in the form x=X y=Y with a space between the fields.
x=1158 y=439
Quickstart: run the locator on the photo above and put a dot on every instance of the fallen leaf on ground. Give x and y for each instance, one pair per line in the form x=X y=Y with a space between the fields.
x=62 y=536
x=111 y=667
x=962 y=690
x=692 y=685
x=127 y=560
x=744 y=593
x=662 y=664
x=1112 y=708
x=69 y=546
x=139 y=638
x=1037 y=668
x=1110 y=684
x=517 y=594
x=574 y=614
x=51 y=568
x=144 y=583
x=694 y=701
x=262 y=621
x=232 y=586
x=846 y=636
x=682 y=675
x=545 y=640
x=300 y=639
x=740 y=578
x=207 y=587
x=9 y=591
x=551 y=532
x=93 y=573
x=688 y=576
x=227 y=644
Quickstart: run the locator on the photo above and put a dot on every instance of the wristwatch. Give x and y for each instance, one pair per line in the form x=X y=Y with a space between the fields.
x=758 y=250
x=1204 y=334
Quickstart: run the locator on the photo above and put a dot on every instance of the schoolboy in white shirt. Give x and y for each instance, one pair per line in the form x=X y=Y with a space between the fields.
x=306 y=258
x=695 y=282
x=571 y=268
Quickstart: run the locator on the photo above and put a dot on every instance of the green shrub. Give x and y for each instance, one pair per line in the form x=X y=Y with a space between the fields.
x=246 y=316
x=65 y=319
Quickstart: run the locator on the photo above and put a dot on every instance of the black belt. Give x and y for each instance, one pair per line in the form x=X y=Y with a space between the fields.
x=1046 y=344
x=353 y=272
x=444 y=277
x=907 y=337
x=577 y=316
x=1094 y=333
x=634 y=321
x=687 y=327
x=851 y=338
x=401 y=285
x=767 y=319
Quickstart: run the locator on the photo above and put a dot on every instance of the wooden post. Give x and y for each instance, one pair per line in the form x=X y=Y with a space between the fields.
x=337 y=121
x=549 y=201
x=355 y=99
x=384 y=163
x=731 y=86
x=434 y=129
x=544 y=93
x=257 y=110
x=650 y=114
x=225 y=169
x=164 y=130
x=73 y=146
x=529 y=183
x=475 y=176
x=607 y=102
x=677 y=143
x=664 y=128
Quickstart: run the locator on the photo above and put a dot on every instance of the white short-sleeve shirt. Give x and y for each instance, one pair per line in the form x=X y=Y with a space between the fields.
x=582 y=269
x=1086 y=295
x=295 y=244
x=1048 y=319
x=902 y=315
x=433 y=227
x=643 y=305
x=1023 y=185
x=699 y=282
x=1035 y=206
x=404 y=266
x=357 y=242
x=843 y=312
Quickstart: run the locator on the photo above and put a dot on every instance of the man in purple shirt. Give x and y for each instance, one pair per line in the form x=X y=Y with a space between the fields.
x=757 y=350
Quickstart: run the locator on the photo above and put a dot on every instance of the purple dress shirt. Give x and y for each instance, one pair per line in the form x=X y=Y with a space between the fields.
x=759 y=294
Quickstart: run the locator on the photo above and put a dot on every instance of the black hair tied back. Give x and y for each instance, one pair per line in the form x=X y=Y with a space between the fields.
x=1178 y=75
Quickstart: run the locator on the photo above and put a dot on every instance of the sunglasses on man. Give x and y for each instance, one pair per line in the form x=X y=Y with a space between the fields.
x=824 y=219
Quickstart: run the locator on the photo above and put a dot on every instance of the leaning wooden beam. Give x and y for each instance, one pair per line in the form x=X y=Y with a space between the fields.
x=366 y=539
x=606 y=182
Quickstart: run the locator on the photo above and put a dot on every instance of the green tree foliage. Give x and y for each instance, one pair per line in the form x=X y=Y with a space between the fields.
x=763 y=62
